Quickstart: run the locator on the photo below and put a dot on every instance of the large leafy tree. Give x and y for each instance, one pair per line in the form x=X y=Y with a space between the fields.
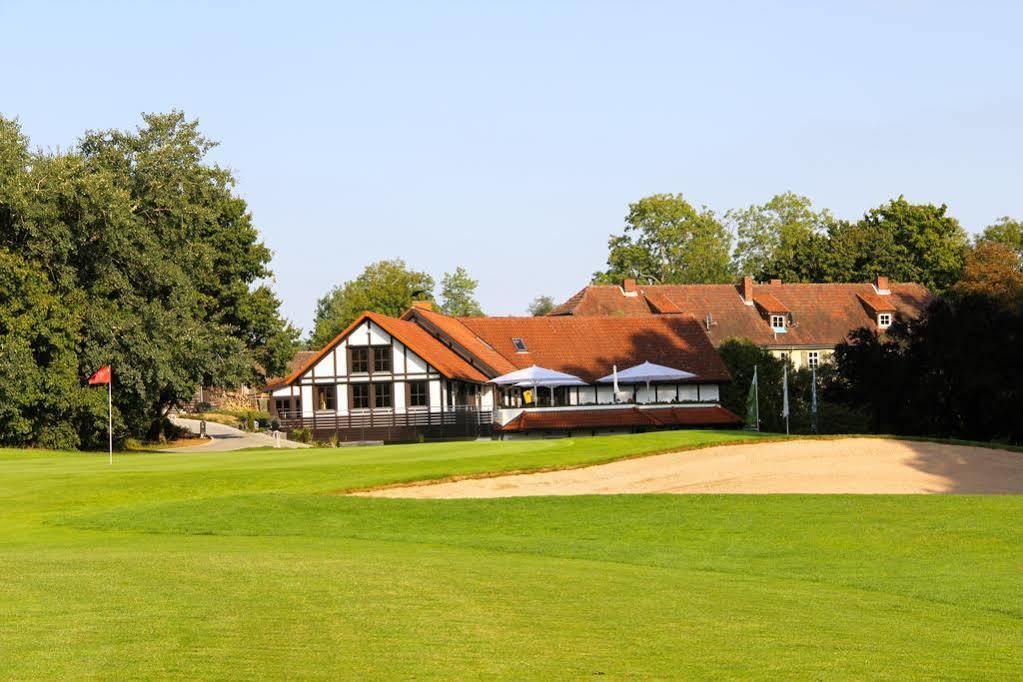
x=541 y=305
x=388 y=287
x=1006 y=231
x=458 y=294
x=668 y=241
x=151 y=263
x=992 y=270
x=783 y=238
x=906 y=242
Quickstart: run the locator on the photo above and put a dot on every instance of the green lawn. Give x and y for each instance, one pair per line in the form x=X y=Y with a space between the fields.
x=240 y=565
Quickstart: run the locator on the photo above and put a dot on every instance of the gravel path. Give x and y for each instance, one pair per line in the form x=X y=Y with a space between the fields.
x=848 y=465
x=225 y=437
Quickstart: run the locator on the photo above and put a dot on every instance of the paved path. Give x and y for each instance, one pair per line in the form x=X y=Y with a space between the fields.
x=227 y=438
x=845 y=465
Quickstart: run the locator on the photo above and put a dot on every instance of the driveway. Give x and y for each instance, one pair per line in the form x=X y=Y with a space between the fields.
x=225 y=437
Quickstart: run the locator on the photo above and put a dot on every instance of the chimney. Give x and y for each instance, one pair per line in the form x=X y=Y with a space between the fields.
x=775 y=282
x=882 y=285
x=747 y=290
x=629 y=287
x=423 y=305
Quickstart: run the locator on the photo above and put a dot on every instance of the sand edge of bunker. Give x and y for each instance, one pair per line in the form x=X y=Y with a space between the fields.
x=888 y=476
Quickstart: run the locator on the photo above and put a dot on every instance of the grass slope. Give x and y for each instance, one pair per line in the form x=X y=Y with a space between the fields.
x=232 y=565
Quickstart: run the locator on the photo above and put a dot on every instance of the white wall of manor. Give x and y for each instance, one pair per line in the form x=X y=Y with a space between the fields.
x=406 y=366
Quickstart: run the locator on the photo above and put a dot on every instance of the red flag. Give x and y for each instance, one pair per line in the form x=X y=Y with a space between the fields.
x=102 y=376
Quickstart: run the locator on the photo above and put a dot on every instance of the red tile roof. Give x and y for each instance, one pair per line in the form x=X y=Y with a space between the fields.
x=457 y=332
x=770 y=304
x=588 y=347
x=877 y=303
x=418 y=340
x=564 y=420
x=822 y=314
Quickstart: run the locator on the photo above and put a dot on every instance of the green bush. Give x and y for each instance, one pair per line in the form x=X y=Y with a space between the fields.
x=301 y=435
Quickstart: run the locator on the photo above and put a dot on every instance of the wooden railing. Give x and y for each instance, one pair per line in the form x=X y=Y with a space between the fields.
x=458 y=418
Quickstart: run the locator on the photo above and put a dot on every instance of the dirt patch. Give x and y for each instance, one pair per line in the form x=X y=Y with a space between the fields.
x=846 y=465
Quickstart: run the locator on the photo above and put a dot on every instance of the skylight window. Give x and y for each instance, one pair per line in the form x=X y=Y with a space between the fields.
x=520 y=345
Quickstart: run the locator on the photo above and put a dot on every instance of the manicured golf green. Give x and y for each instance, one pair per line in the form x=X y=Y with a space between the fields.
x=244 y=565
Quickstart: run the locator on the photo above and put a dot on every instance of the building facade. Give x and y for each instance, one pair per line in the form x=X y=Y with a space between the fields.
x=427 y=376
x=801 y=322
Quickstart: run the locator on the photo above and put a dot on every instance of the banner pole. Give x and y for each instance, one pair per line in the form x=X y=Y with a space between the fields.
x=110 y=417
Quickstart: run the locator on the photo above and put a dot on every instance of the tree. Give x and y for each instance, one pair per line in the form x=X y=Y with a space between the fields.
x=784 y=238
x=1006 y=231
x=387 y=287
x=992 y=270
x=955 y=372
x=541 y=306
x=458 y=294
x=137 y=253
x=667 y=241
x=906 y=242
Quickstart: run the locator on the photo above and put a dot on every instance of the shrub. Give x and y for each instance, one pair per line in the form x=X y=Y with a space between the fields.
x=301 y=435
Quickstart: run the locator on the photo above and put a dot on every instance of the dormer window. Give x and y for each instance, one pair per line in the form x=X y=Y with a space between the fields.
x=520 y=345
x=884 y=320
x=778 y=323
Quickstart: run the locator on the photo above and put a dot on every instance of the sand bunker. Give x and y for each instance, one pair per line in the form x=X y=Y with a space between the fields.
x=848 y=465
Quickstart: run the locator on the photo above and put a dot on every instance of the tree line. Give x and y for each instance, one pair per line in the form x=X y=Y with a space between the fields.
x=128 y=249
x=666 y=240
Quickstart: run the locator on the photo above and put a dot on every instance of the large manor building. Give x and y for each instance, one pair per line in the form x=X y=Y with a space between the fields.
x=427 y=375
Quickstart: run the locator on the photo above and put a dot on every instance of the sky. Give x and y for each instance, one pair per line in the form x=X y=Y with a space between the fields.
x=510 y=137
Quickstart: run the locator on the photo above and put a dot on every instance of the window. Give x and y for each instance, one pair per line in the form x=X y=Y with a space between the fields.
x=324 y=397
x=382 y=359
x=520 y=345
x=418 y=394
x=884 y=320
x=360 y=360
x=778 y=322
x=813 y=358
x=382 y=395
x=360 y=396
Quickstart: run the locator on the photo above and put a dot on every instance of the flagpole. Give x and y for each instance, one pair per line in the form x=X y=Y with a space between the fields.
x=786 y=398
x=110 y=417
x=756 y=396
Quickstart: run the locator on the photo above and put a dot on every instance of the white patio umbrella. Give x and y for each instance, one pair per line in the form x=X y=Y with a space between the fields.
x=646 y=373
x=538 y=376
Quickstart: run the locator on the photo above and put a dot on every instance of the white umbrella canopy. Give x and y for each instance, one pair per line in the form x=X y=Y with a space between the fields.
x=647 y=372
x=538 y=376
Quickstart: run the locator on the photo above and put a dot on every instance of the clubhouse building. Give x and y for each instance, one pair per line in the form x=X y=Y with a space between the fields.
x=427 y=375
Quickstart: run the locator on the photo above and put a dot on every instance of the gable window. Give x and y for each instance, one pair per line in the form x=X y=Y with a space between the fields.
x=520 y=345
x=381 y=395
x=778 y=323
x=884 y=320
x=813 y=358
x=360 y=396
x=325 y=397
x=360 y=360
x=418 y=394
x=382 y=359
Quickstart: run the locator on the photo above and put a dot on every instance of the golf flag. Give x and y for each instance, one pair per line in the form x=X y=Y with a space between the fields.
x=102 y=376
x=753 y=405
x=785 y=397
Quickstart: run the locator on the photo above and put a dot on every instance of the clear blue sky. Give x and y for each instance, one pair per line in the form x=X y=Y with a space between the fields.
x=510 y=137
